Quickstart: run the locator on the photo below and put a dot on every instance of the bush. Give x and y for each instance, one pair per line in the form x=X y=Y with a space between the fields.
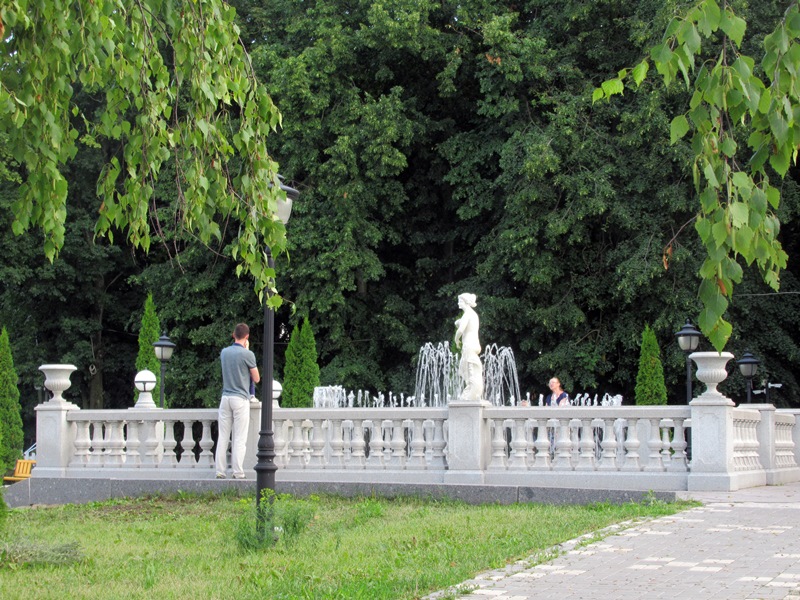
x=301 y=373
x=148 y=334
x=283 y=516
x=11 y=437
x=650 y=387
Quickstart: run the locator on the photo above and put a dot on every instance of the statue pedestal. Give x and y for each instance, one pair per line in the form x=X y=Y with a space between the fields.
x=468 y=442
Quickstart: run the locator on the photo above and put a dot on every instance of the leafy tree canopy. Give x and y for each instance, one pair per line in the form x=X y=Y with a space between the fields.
x=744 y=138
x=172 y=82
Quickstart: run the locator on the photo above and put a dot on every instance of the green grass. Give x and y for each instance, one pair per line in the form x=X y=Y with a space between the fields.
x=190 y=547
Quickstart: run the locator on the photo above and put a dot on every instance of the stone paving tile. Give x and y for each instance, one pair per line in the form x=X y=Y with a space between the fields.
x=738 y=546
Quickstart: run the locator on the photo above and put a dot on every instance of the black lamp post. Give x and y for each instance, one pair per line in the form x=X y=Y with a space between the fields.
x=265 y=465
x=748 y=365
x=688 y=340
x=163 y=348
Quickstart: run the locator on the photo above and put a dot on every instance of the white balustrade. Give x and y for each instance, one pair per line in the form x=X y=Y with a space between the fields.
x=614 y=447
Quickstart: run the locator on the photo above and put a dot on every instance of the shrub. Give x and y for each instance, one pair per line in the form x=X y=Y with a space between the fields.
x=148 y=334
x=11 y=437
x=650 y=387
x=283 y=516
x=301 y=373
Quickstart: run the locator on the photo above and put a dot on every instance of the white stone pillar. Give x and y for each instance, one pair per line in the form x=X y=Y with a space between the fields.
x=766 y=440
x=468 y=442
x=712 y=427
x=54 y=435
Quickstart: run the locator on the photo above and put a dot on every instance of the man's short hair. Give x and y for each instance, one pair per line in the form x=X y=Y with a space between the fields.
x=241 y=331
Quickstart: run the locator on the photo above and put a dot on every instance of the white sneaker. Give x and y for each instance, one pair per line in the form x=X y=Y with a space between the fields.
x=238 y=476
x=220 y=475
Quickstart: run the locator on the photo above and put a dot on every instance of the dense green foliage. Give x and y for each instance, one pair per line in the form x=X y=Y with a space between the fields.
x=148 y=334
x=172 y=87
x=10 y=419
x=439 y=147
x=734 y=98
x=301 y=371
x=650 y=388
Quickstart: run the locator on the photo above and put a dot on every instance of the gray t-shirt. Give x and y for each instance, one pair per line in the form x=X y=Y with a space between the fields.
x=236 y=364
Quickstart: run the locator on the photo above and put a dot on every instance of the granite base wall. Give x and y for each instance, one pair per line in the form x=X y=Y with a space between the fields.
x=54 y=491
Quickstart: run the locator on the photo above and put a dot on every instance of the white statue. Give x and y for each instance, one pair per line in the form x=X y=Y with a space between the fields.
x=470 y=368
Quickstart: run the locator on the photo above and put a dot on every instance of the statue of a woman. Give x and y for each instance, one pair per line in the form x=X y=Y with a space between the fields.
x=470 y=368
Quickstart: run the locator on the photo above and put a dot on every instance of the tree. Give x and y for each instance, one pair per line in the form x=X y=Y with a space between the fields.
x=301 y=373
x=173 y=84
x=10 y=419
x=148 y=334
x=736 y=103
x=650 y=388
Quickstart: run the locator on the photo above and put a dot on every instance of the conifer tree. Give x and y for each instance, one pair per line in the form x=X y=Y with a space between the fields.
x=11 y=438
x=301 y=373
x=650 y=387
x=148 y=334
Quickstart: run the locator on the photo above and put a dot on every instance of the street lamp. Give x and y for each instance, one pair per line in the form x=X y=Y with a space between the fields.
x=688 y=340
x=163 y=348
x=748 y=365
x=265 y=465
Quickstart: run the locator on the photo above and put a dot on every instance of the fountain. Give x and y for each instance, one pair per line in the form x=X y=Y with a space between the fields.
x=438 y=382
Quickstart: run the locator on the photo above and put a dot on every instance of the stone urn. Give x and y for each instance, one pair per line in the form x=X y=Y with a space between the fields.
x=57 y=380
x=711 y=370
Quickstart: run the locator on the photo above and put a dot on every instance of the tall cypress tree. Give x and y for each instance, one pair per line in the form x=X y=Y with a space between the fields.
x=650 y=387
x=11 y=439
x=148 y=334
x=301 y=373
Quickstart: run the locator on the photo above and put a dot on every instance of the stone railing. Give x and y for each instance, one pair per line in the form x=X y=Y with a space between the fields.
x=709 y=445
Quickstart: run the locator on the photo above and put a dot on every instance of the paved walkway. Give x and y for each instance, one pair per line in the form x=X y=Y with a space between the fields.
x=741 y=545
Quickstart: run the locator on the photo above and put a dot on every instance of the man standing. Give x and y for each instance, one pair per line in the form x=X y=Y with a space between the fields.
x=238 y=369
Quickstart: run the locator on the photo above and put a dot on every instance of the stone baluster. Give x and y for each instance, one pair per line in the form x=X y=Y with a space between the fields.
x=358 y=454
x=297 y=445
x=574 y=436
x=188 y=444
x=498 y=462
x=97 y=456
x=149 y=441
x=280 y=439
x=375 y=459
x=417 y=458
x=586 y=455
x=530 y=441
x=169 y=460
x=132 y=444
x=398 y=445
x=317 y=457
x=665 y=427
x=82 y=444
x=437 y=445
x=336 y=460
x=347 y=440
x=386 y=434
x=115 y=445
x=206 y=459
x=654 y=463
x=518 y=448
x=541 y=461
x=608 y=455
x=631 y=446
x=563 y=452
x=518 y=460
x=678 y=446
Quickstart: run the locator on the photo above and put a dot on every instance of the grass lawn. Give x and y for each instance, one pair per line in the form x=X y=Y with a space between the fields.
x=190 y=547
